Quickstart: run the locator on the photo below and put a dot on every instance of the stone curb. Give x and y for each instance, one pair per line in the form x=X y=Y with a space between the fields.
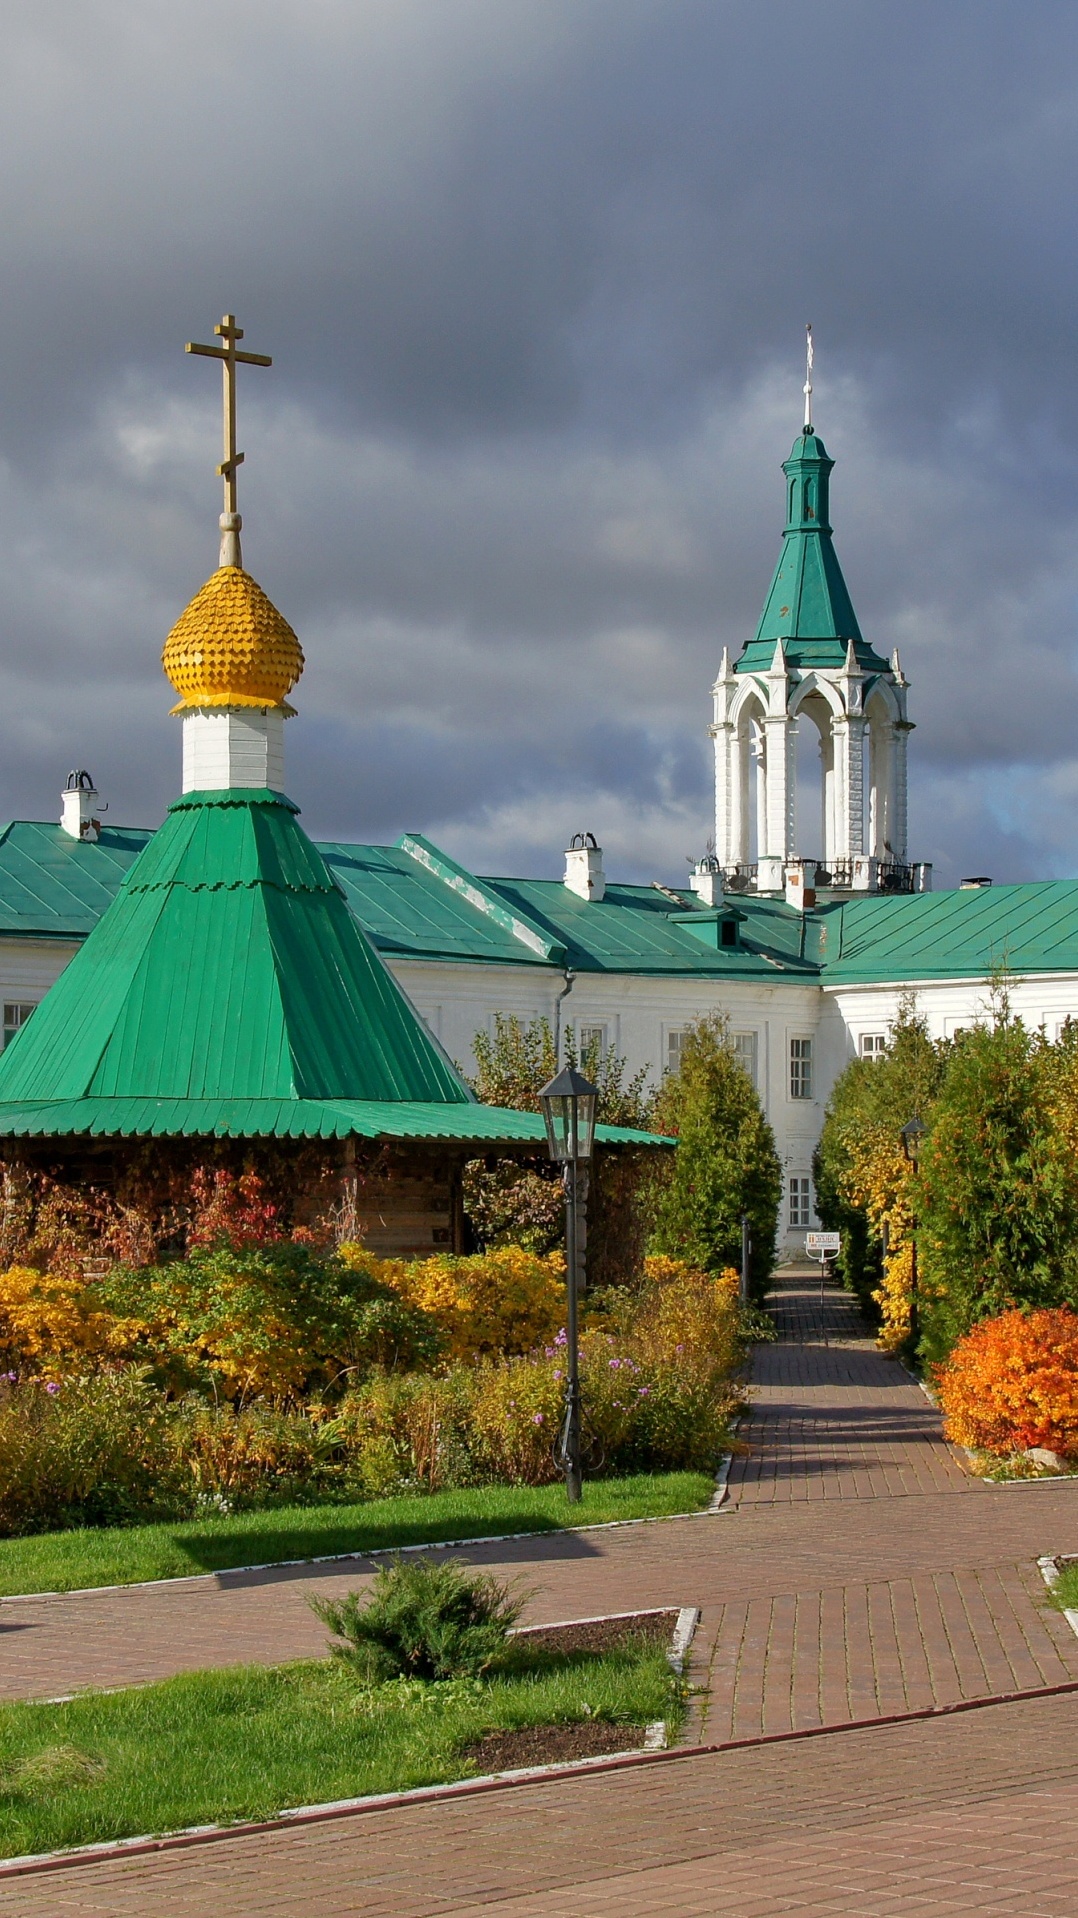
x=496 y=1781
x=1049 y=1569
x=378 y=1551
x=685 y=1624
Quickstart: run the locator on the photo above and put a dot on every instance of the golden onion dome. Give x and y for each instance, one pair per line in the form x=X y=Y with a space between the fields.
x=231 y=647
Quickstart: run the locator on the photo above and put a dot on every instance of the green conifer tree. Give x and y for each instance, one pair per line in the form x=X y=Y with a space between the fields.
x=725 y=1164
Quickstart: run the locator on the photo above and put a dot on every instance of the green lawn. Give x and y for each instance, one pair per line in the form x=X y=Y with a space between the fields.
x=123 y=1555
x=1065 y=1590
x=210 y=1747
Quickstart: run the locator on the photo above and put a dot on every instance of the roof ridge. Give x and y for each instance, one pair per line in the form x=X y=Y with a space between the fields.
x=459 y=879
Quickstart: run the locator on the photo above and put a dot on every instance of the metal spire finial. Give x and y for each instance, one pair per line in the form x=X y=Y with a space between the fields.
x=229 y=358
x=808 y=378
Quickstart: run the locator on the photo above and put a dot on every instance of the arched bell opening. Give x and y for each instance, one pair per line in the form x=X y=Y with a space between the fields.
x=880 y=780
x=814 y=816
x=750 y=785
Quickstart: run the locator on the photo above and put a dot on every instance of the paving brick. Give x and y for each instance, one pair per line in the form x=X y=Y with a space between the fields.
x=917 y=1586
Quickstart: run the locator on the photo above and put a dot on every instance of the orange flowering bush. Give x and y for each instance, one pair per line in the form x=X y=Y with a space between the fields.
x=1012 y=1382
x=506 y=1300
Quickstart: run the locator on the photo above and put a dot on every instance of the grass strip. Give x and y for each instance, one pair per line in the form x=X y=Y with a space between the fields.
x=125 y=1555
x=1064 y=1592
x=210 y=1747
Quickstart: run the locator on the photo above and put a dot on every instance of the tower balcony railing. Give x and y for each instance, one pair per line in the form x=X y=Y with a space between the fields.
x=741 y=878
x=863 y=873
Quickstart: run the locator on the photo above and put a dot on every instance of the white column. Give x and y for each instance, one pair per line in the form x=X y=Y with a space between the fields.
x=848 y=733
x=776 y=846
x=899 y=820
x=727 y=779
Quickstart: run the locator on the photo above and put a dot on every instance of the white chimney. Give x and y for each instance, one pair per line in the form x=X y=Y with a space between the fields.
x=80 y=805
x=705 y=880
x=584 y=867
x=801 y=884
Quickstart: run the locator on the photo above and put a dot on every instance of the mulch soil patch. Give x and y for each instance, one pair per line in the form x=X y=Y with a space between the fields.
x=585 y=1738
x=553 y=1744
x=602 y=1634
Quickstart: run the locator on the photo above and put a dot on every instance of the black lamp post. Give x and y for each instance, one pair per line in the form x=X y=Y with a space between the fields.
x=568 y=1104
x=912 y=1134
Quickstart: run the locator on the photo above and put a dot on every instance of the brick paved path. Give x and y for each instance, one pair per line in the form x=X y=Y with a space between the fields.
x=857 y=1572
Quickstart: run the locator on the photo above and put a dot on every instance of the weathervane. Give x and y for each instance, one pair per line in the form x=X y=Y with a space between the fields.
x=808 y=379
x=229 y=358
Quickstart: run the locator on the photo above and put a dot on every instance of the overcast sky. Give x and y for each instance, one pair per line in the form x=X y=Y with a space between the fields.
x=534 y=275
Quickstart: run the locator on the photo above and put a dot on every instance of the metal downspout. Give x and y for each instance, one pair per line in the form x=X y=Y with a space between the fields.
x=570 y=981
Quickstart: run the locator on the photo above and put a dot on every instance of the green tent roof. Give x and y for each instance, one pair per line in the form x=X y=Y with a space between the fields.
x=808 y=607
x=229 y=991
x=228 y=967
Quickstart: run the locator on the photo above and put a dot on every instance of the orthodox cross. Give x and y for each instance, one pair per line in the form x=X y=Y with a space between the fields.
x=808 y=379
x=229 y=357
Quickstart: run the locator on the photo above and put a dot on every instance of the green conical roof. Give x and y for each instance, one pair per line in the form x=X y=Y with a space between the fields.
x=228 y=967
x=808 y=607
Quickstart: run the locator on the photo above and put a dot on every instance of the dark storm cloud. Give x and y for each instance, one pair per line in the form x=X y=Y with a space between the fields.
x=533 y=276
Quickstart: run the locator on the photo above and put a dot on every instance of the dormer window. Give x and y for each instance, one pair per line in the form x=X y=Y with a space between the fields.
x=728 y=932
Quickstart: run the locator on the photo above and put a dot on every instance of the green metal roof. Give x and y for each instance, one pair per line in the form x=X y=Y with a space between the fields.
x=640 y=930
x=965 y=934
x=289 y=1118
x=409 y=908
x=56 y=887
x=808 y=607
x=228 y=966
x=420 y=904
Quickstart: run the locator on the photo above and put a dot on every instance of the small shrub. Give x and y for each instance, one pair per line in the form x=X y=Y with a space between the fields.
x=92 y=1451
x=250 y=1456
x=408 y=1430
x=422 y=1620
x=1012 y=1382
x=273 y=1321
x=503 y=1301
x=49 y=1322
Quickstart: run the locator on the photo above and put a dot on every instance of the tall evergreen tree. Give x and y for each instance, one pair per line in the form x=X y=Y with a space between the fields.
x=726 y=1163
x=997 y=1192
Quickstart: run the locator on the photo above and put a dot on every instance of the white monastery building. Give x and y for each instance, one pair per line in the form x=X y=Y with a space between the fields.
x=804 y=923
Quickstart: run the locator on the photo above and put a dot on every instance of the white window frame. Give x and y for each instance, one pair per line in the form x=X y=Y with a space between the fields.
x=19 y=1011
x=673 y=1041
x=748 y=1054
x=799 y=1068
x=586 y=1030
x=799 y=1202
x=872 y=1044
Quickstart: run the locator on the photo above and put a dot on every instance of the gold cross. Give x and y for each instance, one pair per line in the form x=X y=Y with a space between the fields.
x=229 y=358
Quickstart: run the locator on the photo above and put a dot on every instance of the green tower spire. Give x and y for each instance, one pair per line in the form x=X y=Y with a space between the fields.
x=808 y=606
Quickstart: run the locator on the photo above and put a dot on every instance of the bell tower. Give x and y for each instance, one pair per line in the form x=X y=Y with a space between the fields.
x=809 y=668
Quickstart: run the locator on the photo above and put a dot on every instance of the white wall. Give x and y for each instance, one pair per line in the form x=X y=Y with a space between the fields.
x=458 y=999
x=638 y=1013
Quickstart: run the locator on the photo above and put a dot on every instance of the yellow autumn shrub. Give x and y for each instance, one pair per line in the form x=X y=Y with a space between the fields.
x=879 y=1181
x=685 y=1313
x=49 y=1322
x=503 y=1301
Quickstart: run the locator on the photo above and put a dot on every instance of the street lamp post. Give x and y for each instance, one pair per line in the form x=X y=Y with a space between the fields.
x=568 y=1104
x=912 y=1134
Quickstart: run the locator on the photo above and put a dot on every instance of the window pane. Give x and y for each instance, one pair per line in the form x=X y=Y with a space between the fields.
x=16 y=1013
x=800 y=1203
x=675 y=1039
x=800 y=1068
x=592 y=1042
x=744 y=1045
x=873 y=1044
